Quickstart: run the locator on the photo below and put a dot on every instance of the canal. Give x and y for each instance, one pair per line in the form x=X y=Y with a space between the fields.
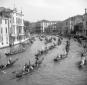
x=50 y=73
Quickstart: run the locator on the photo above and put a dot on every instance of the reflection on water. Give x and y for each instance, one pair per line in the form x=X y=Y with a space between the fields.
x=50 y=73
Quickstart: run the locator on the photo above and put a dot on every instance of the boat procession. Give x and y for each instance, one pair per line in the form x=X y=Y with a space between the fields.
x=44 y=52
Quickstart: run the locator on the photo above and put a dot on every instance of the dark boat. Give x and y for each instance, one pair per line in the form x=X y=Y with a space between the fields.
x=60 y=58
x=15 y=52
x=22 y=73
x=81 y=66
x=57 y=59
x=4 y=67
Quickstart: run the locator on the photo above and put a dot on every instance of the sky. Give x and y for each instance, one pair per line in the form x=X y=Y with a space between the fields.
x=52 y=10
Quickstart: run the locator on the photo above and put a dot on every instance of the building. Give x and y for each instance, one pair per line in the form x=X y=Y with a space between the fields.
x=68 y=24
x=4 y=37
x=11 y=27
x=17 y=26
x=4 y=26
x=45 y=23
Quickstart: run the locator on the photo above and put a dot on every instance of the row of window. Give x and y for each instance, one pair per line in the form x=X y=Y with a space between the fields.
x=18 y=20
x=46 y=24
x=1 y=30
x=6 y=21
x=1 y=40
x=19 y=29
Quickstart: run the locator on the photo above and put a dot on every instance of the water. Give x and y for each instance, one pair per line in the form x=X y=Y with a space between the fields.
x=50 y=73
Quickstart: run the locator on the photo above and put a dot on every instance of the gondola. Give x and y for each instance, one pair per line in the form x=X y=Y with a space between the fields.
x=57 y=59
x=15 y=52
x=60 y=58
x=22 y=73
x=4 y=67
x=80 y=66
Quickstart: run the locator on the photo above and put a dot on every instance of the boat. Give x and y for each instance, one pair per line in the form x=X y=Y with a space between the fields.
x=60 y=58
x=22 y=73
x=4 y=67
x=80 y=65
x=57 y=59
x=15 y=52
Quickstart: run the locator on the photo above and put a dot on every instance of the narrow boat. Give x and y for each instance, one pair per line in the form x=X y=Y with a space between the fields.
x=22 y=73
x=60 y=58
x=4 y=67
x=80 y=65
x=15 y=52
x=57 y=59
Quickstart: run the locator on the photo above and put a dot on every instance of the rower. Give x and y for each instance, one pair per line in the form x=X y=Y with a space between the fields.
x=31 y=67
x=61 y=56
x=83 y=60
x=9 y=61
x=67 y=46
x=36 y=63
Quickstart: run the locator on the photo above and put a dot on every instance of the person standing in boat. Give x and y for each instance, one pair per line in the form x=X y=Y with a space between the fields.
x=59 y=41
x=31 y=67
x=83 y=59
x=9 y=61
x=36 y=62
x=25 y=67
x=67 y=46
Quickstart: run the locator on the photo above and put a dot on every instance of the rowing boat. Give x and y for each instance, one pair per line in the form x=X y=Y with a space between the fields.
x=60 y=58
x=15 y=52
x=3 y=67
x=22 y=73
